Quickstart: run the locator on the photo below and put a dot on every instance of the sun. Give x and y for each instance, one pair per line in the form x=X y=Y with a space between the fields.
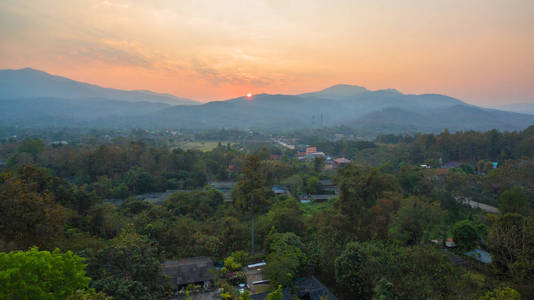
x=249 y=95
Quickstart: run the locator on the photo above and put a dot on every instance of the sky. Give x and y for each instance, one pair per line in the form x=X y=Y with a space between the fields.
x=480 y=51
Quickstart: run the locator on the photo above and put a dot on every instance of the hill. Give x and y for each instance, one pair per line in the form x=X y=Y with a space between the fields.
x=30 y=83
x=524 y=108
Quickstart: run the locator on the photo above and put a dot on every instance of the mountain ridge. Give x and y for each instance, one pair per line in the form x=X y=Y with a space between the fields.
x=383 y=111
x=27 y=83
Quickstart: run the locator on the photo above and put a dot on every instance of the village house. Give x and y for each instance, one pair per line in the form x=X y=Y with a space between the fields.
x=193 y=270
x=341 y=162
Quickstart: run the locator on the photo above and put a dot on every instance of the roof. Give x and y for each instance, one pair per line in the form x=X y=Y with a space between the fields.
x=322 y=197
x=189 y=270
x=342 y=160
x=305 y=288
x=480 y=255
x=222 y=184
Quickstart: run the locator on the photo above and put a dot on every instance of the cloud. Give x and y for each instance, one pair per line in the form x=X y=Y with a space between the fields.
x=103 y=51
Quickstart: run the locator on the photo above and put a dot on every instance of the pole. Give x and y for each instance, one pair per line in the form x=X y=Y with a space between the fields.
x=252 y=248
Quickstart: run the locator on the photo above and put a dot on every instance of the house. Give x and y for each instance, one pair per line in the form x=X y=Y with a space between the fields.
x=310 y=150
x=279 y=190
x=193 y=270
x=317 y=154
x=321 y=197
x=328 y=186
x=275 y=156
x=225 y=187
x=304 y=198
x=305 y=288
x=340 y=162
x=451 y=164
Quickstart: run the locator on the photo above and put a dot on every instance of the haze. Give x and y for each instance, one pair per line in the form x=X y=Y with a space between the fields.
x=479 y=51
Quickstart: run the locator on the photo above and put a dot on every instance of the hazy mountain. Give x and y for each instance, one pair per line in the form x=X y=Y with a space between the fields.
x=524 y=108
x=370 y=111
x=64 y=112
x=30 y=83
x=34 y=98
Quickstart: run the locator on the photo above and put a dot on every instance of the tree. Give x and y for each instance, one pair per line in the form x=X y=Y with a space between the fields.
x=128 y=268
x=28 y=215
x=416 y=220
x=465 y=235
x=383 y=290
x=506 y=240
x=276 y=294
x=352 y=273
x=35 y=274
x=514 y=200
x=286 y=258
x=501 y=294
x=360 y=187
x=248 y=193
x=318 y=163
x=313 y=185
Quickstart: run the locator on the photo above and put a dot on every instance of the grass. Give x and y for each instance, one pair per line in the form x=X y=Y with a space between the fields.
x=309 y=208
x=201 y=145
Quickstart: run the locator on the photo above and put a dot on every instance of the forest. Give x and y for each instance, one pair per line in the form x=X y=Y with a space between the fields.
x=72 y=212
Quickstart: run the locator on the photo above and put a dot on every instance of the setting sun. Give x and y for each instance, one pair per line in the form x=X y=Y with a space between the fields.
x=249 y=95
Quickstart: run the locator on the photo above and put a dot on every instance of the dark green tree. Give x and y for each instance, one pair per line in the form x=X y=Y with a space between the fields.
x=465 y=235
x=514 y=200
x=352 y=272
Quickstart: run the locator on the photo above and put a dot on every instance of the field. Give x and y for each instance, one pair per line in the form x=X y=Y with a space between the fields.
x=200 y=145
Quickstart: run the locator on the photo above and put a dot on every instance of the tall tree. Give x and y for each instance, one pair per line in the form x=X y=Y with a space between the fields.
x=249 y=194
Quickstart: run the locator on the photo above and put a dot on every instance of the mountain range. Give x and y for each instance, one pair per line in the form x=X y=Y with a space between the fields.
x=524 y=108
x=32 y=98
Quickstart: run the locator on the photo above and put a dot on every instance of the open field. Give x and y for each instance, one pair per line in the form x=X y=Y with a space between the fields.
x=200 y=145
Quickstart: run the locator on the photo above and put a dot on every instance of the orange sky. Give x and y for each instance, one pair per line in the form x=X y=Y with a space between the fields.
x=479 y=51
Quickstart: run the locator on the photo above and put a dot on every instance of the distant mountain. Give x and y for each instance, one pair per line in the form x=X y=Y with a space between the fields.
x=30 y=83
x=45 y=112
x=354 y=106
x=33 y=98
x=524 y=108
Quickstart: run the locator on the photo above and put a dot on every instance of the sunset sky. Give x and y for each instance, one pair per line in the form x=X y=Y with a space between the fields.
x=479 y=51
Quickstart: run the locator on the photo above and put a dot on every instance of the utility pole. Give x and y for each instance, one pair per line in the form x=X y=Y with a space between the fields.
x=252 y=231
x=252 y=250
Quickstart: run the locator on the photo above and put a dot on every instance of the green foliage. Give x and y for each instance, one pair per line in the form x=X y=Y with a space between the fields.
x=360 y=187
x=128 y=268
x=286 y=258
x=29 y=213
x=511 y=243
x=416 y=221
x=231 y=264
x=383 y=290
x=35 y=274
x=285 y=216
x=248 y=194
x=31 y=146
x=313 y=185
x=514 y=200
x=245 y=295
x=351 y=272
x=198 y=204
x=276 y=294
x=501 y=294
x=465 y=235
